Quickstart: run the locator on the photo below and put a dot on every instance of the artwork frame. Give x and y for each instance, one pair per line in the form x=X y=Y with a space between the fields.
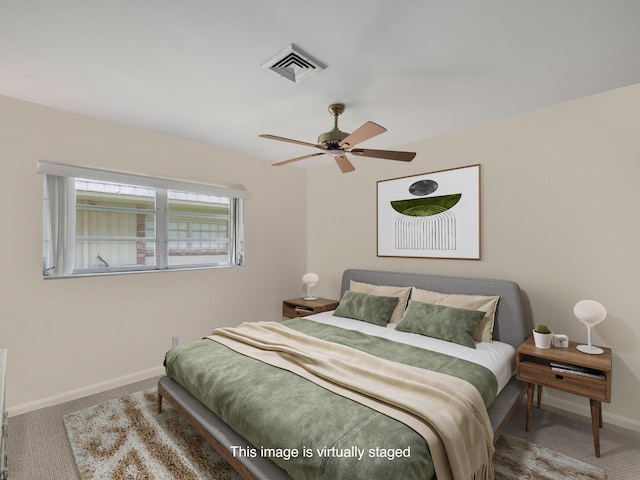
x=430 y=215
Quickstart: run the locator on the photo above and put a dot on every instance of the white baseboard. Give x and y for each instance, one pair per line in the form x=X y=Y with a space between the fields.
x=84 y=391
x=582 y=408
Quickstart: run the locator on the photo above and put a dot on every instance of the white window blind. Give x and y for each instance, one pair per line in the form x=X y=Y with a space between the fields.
x=62 y=170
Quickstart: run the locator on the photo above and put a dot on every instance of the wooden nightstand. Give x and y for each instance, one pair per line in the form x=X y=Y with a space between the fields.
x=299 y=307
x=534 y=366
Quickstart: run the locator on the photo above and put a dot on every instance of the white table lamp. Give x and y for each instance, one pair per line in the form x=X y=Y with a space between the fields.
x=590 y=313
x=310 y=279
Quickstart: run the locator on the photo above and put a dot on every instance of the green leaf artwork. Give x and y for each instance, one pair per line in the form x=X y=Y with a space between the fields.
x=425 y=207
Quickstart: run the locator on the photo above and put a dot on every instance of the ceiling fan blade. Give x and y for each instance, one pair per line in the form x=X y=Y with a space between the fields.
x=365 y=132
x=279 y=164
x=345 y=165
x=388 y=154
x=298 y=142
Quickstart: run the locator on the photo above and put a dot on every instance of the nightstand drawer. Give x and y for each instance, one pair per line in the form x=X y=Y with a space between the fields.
x=292 y=311
x=595 y=388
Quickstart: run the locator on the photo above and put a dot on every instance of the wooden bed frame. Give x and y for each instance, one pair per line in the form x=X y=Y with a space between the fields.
x=509 y=328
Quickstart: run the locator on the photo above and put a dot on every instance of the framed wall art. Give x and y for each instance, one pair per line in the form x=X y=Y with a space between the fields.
x=431 y=215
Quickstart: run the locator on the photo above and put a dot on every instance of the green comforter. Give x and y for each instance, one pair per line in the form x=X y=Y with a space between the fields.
x=307 y=430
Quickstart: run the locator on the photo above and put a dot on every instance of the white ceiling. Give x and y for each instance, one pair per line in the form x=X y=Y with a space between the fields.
x=418 y=67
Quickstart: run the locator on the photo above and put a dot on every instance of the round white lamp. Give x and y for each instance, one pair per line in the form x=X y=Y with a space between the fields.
x=310 y=279
x=590 y=313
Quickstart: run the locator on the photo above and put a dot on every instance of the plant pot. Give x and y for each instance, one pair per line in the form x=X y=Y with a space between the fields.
x=542 y=340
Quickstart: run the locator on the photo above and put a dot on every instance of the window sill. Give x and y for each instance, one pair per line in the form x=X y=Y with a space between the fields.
x=135 y=272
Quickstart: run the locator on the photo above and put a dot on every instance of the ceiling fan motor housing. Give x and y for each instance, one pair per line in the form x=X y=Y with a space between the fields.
x=332 y=138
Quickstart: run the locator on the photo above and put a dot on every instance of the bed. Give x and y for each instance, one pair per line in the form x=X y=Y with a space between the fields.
x=508 y=333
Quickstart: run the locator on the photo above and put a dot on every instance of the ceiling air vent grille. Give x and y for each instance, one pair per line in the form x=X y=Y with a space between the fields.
x=293 y=64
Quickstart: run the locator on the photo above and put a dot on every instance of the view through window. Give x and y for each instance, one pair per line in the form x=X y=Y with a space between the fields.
x=96 y=226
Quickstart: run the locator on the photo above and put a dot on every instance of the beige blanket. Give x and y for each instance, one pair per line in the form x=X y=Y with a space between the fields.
x=448 y=412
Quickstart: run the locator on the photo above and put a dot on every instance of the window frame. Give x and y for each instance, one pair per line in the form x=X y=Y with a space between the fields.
x=235 y=194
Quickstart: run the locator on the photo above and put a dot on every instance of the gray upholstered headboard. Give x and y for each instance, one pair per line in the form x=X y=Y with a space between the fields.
x=509 y=324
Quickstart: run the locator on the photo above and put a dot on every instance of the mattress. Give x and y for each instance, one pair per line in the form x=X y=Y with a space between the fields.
x=499 y=357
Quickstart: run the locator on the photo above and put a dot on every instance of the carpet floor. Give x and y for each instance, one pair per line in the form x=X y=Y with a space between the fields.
x=125 y=438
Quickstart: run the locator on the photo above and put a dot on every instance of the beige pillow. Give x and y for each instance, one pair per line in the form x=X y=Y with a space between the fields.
x=385 y=291
x=487 y=304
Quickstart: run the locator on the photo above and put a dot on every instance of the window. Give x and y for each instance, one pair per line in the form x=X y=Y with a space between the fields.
x=99 y=222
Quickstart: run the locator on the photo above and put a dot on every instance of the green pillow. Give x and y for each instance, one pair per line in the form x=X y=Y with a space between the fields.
x=369 y=308
x=455 y=325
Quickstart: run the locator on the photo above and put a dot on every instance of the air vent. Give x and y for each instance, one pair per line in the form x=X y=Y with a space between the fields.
x=293 y=64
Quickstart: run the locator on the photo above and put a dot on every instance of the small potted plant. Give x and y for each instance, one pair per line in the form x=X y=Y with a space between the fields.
x=542 y=336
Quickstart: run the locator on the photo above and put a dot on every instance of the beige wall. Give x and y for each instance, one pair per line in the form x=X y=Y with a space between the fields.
x=70 y=337
x=560 y=195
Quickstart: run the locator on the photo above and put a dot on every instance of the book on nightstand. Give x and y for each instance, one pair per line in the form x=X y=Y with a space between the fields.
x=575 y=370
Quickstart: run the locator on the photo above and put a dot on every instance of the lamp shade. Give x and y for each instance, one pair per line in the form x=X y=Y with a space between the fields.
x=310 y=279
x=590 y=313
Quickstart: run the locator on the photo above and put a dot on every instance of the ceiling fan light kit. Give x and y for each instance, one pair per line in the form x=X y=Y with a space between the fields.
x=337 y=143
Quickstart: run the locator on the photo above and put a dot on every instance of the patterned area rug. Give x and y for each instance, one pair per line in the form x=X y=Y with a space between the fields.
x=517 y=459
x=125 y=439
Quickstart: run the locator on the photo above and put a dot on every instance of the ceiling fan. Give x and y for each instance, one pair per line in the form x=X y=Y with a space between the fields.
x=337 y=143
